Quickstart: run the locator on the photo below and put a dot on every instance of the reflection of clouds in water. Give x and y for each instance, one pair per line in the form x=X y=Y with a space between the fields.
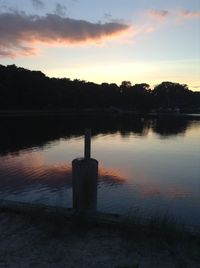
x=29 y=169
x=111 y=176
x=22 y=158
x=147 y=188
x=148 y=191
x=25 y=170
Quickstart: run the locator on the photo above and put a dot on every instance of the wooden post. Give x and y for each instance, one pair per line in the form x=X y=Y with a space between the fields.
x=84 y=178
x=87 y=147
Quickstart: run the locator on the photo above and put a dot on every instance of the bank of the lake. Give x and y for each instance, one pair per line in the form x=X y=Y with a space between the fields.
x=113 y=111
x=40 y=238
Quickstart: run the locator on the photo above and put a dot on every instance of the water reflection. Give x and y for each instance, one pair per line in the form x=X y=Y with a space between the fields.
x=168 y=127
x=152 y=163
x=21 y=133
x=111 y=177
x=28 y=170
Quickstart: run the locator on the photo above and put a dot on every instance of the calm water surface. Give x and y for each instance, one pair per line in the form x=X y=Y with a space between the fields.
x=146 y=164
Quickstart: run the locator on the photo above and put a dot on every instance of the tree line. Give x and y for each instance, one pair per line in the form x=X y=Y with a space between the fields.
x=22 y=89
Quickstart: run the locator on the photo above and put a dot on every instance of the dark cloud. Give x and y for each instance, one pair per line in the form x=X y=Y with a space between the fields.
x=19 y=33
x=60 y=10
x=38 y=4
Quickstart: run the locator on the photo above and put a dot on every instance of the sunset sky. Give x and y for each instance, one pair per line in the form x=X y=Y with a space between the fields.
x=104 y=41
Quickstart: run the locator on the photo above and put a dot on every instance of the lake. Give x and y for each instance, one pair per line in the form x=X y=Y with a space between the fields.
x=147 y=164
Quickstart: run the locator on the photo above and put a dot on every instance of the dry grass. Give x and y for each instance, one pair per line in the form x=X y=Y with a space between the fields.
x=43 y=239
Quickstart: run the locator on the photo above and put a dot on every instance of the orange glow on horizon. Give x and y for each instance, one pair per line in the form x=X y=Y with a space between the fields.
x=137 y=72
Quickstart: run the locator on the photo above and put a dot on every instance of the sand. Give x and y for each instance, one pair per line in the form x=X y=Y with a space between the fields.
x=30 y=242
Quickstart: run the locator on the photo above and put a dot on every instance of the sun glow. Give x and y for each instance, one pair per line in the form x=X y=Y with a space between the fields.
x=152 y=73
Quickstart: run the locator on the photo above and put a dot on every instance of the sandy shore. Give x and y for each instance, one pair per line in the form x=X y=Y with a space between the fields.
x=48 y=242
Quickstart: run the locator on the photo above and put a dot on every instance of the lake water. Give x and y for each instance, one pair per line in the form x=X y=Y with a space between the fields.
x=149 y=165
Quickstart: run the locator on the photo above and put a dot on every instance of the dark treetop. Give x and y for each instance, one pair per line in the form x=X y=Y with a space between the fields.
x=22 y=89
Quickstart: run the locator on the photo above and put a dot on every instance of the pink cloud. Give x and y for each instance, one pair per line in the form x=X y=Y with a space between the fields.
x=190 y=14
x=19 y=32
x=158 y=14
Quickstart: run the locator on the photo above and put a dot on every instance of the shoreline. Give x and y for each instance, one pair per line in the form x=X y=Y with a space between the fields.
x=45 y=239
x=97 y=217
x=93 y=112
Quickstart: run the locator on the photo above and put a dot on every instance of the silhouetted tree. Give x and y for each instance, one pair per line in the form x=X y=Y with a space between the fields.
x=171 y=95
x=24 y=89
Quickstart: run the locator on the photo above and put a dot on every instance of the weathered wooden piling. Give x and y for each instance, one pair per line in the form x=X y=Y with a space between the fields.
x=87 y=144
x=84 y=177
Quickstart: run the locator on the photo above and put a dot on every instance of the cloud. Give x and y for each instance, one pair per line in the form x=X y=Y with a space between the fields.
x=158 y=14
x=107 y=16
x=38 y=4
x=189 y=14
x=20 y=33
x=164 y=14
x=60 y=10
